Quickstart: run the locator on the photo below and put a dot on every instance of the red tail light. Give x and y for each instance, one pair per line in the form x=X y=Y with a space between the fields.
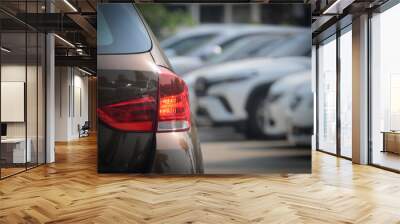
x=173 y=106
x=141 y=114
x=132 y=115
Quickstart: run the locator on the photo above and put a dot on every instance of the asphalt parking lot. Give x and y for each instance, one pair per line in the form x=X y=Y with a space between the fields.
x=228 y=152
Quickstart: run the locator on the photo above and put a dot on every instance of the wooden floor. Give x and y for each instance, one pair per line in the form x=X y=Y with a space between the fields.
x=70 y=191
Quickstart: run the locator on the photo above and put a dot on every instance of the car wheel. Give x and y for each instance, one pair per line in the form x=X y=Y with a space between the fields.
x=270 y=125
x=256 y=118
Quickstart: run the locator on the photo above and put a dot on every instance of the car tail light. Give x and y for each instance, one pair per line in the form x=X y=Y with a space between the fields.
x=132 y=115
x=173 y=103
x=141 y=114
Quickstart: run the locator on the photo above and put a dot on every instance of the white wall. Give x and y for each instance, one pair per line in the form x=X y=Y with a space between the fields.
x=62 y=81
x=80 y=89
x=71 y=93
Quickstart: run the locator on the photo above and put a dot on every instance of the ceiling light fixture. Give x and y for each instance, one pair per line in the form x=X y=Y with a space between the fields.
x=70 y=5
x=337 y=7
x=329 y=9
x=84 y=71
x=5 y=50
x=64 y=40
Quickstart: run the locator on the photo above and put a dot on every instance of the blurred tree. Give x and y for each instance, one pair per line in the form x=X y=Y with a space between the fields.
x=162 y=21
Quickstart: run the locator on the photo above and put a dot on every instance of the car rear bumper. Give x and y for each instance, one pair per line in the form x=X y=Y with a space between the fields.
x=177 y=153
x=163 y=153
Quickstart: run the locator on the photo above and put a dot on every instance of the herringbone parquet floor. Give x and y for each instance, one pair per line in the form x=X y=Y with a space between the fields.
x=70 y=191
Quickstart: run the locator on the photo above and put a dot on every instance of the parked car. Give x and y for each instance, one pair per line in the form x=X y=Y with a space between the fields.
x=261 y=45
x=233 y=93
x=300 y=122
x=277 y=104
x=217 y=46
x=240 y=49
x=144 y=118
x=265 y=45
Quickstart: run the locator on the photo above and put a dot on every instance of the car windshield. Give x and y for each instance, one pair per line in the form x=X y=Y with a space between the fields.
x=120 y=30
x=185 y=45
x=245 y=47
x=296 y=45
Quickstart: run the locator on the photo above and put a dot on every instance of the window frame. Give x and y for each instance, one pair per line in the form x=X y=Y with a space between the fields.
x=335 y=36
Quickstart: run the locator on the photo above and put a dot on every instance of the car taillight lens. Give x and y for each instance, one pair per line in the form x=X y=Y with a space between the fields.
x=132 y=115
x=141 y=114
x=173 y=104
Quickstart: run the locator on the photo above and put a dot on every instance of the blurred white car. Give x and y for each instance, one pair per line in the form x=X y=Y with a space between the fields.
x=265 y=45
x=217 y=46
x=233 y=93
x=277 y=104
x=300 y=122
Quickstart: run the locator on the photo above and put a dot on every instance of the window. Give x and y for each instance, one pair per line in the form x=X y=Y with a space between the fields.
x=327 y=96
x=385 y=89
x=296 y=45
x=346 y=94
x=120 y=30
x=211 y=13
x=18 y=154
x=241 y=13
x=22 y=101
x=335 y=76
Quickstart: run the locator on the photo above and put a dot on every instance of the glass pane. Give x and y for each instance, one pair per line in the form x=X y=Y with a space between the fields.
x=327 y=97
x=184 y=46
x=31 y=88
x=41 y=98
x=211 y=13
x=31 y=97
x=346 y=94
x=385 y=84
x=13 y=86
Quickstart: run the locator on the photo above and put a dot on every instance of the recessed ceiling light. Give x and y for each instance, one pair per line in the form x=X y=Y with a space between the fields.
x=64 y=40
x=84 y=71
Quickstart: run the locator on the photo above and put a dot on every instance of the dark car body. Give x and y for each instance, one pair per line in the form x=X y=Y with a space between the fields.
x=132 y=137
